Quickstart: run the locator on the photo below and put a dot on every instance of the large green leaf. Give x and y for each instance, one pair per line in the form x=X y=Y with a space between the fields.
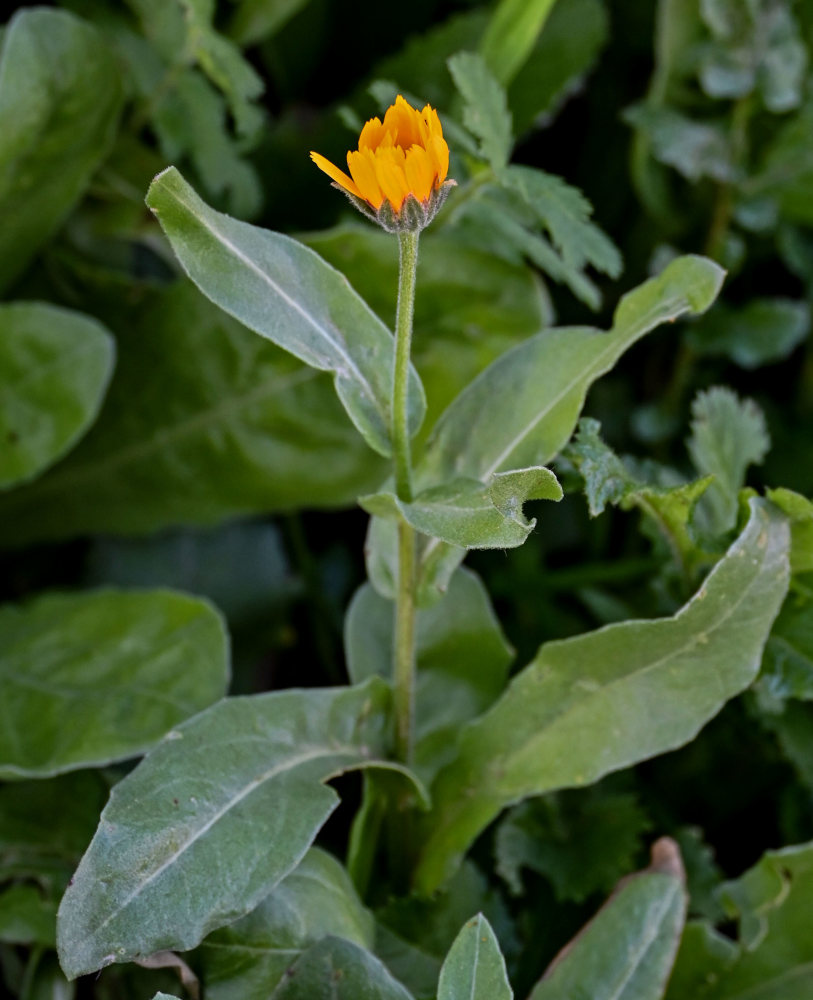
x=249 y=957
x=203 y=420
x=287 y=293
x=101 y=676
x=462 y=660
x=59 y=100
x=522 y=409
x=54 y=370
x=604 y=700
x=335 y=969
x=213 y=818
x=627 y=950
x=474 y=968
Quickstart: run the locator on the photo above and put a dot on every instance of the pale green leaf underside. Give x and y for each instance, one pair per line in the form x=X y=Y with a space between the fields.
x=96 y=677
x=163 y=870
x=474 y=969
x=54 y=369
x=284 y=291
x=604 y=700
x=472 y=514
x=627 y=950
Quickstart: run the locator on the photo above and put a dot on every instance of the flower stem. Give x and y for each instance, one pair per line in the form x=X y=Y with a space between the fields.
x=404 y=644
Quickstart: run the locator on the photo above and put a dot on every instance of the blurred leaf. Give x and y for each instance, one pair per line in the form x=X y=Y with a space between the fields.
x=787 y=671
x=604 y=700
x=27 y=917
x=786 y=172
x=470 y=305
x=793 y=729
x=243 y=429
x=32 y=845
x=728 y=435
x=59 y=102
x=239 y=790
x=335 y=969
x=121 y=667
x=627 y=950
x=471 y=514
x=800 y=511
x=462 y=660
x=250 y=957
x=55 y=366
x=758 y=333
x=255 y=20
x=285 y=292
x=565 y=52
x=582 y=842
x=756 y=45
x=474 y=969
x=543 y=383
x=485 y=109
x=511 y=34
x=703 y=958
x=695 y=149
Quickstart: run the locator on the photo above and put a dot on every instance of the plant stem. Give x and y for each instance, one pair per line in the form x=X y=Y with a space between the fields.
x=404 y=644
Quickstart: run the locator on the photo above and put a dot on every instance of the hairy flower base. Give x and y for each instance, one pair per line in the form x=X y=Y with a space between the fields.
x=414 y=215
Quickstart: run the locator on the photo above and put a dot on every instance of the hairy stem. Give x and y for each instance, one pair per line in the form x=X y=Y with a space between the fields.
x=404 y=644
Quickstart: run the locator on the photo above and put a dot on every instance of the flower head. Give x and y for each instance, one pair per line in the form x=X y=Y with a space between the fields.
x=398 y=173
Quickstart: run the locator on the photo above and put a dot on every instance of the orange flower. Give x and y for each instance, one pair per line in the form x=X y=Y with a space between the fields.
x=399 y=170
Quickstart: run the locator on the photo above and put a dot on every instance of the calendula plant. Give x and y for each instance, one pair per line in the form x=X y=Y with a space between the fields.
x=408 y=364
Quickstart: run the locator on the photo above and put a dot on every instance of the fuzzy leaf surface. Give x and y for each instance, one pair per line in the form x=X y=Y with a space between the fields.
x=282 y=290
x=335 y=969
x=121 y=667
x=213 y=818
x=474 y=969
x=604 y=700
x=55 y=366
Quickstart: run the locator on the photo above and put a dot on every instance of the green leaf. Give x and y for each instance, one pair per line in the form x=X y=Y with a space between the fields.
x=55 y=366
x=462 y=660
x=728 y=435
x=485 y=112
x=26 y=916
x=565 y=214
x=787 y=671
x=31 y=844
x=605 y=700
x=60 y=95
x=251 y=956
x=471 y=306
x=511 y=35
x=237 y=790
x=471 y=514
x=703 y=957
x=244 y=429
x=122 y=667
x=564 y=54
x=255 y=20
x=800 y=511
x=758 y=333
x=522 y=409
x=287 y=293
x=474 y=968
x=581 y=841
x=695 y=149
x=165 y=996
x=627 y=950
x=335 y=969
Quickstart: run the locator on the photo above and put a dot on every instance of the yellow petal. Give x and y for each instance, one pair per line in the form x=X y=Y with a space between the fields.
x=362 y=169
x=401 y=117
x=439 y=154
x=339 y=176
x=420 y=172
x=392 y=180
x=371 y=134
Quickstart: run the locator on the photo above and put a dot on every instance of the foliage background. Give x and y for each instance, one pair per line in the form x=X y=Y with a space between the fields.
x=221 y=467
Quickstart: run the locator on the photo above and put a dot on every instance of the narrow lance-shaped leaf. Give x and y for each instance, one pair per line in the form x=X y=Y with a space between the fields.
x=287 y=293
x=474 y=969
x=213 y=818
x=471 y=514
x=511 y=35
x=522 y=409
x=54 y=369
x=96 y=677
x=602 y=701
x=626 y=951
